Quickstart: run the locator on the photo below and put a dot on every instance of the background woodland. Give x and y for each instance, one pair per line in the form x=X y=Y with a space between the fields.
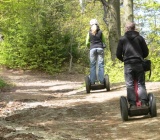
x=49 y=35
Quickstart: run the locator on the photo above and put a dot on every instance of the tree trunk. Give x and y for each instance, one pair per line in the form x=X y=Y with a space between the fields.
x=112 y=20
x=128 y=11
x=82 y=4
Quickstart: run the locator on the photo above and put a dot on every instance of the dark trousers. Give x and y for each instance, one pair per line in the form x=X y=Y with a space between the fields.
x=135 y=72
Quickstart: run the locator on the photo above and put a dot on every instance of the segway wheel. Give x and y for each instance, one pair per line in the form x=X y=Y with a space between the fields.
x=87 y=82
x=152 y=105
x=124 y=108
x=106 y=82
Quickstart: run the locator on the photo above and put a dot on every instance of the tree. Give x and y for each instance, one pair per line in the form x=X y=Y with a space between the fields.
x=128 y=11
x=82 y=5
x=112 y=20
x=37 y=34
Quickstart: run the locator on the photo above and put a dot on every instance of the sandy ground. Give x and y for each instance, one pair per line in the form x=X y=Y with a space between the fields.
x=43 y=107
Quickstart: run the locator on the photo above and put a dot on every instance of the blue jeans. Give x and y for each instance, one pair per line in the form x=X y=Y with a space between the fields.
x=97 y=55
x=135 y=72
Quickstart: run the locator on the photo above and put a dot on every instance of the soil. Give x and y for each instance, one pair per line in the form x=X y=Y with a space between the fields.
x=42 y=107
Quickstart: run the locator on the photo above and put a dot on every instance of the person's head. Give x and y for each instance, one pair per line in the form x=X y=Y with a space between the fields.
x=130 y=26
x=93 y=21
x=94 y=29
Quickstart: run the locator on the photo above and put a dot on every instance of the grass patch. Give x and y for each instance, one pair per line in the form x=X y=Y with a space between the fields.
x=2 y=83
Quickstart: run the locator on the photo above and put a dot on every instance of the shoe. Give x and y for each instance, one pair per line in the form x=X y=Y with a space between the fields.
x=133 y=106
x=93 y=83
x=144 y=105
x=102 y=83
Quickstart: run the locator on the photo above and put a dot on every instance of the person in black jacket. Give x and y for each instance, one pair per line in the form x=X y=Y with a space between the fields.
x=131 y=49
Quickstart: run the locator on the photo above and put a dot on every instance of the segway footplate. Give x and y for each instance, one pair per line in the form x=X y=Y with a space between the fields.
x=138 y=111
x=97 y=86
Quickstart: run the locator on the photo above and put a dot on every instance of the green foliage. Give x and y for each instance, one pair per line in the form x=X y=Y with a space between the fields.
x=155 y=55
x=47 y=34
x=36 y=36
x=2 y=83
x=115 y=69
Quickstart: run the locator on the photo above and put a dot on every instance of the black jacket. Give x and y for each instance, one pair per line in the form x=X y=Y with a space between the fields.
x=96 y=40
x=132 y=48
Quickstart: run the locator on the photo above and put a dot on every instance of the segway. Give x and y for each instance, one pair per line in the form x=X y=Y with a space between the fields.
x=97 y=85
x=139 y=110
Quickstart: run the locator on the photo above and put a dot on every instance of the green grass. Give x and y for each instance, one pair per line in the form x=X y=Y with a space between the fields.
x=2 y=83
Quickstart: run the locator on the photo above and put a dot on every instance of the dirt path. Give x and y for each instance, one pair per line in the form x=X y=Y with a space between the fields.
x=43 y=107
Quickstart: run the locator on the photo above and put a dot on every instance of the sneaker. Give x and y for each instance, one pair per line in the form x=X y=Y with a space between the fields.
x=144 y=105
x=133 y=106
x=102 y=83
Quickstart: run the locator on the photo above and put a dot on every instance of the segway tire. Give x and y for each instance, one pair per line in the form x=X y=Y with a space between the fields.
x=106 y=82
x=124 y=108
x=152 y=105
x=87 y=82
